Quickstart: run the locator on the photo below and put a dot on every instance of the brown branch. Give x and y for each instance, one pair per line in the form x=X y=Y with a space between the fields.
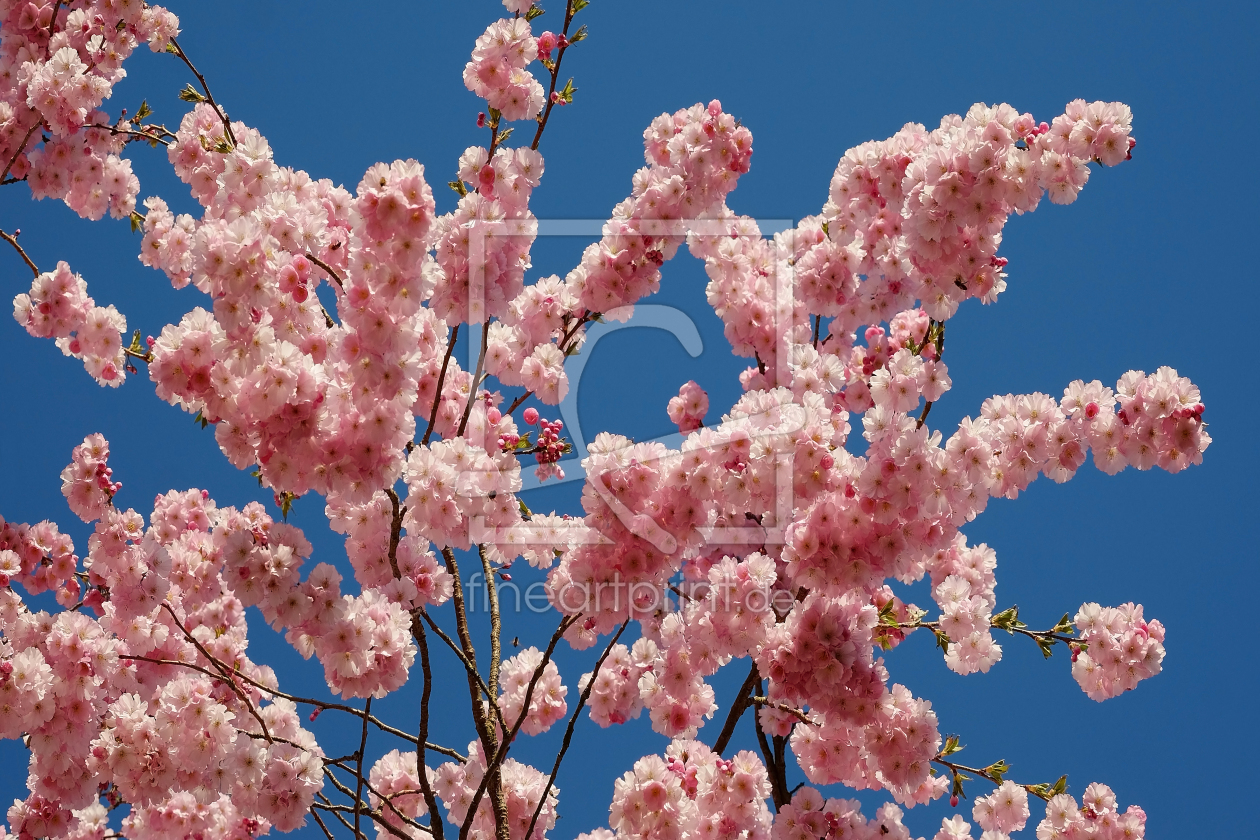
x=319 y=704
x=236 y=689
x=137 y=135
x=505 y=745
x=358 y=766
x=777 y=791
x=227 y=125
x=476 y=380
x=52 y=30
x=555 y=75
x=437 y=399
x=468 y=666
x=737 y=710
x=12 y=240
x=568 y=732
x=422 y=770
x=782 y=707
x=327 y=268
x=21 y=148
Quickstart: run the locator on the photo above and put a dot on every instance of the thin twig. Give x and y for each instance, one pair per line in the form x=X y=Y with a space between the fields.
x=555 y=75
x=476 y=380
x=12 y=240
x=227 y=125
x=506 y=744
x=568 y=732
x=422 y=770
x=437 y=398
x=358 y=765
x=336 y=277
x=21 y=148
x=236 y=689
x=319 y=704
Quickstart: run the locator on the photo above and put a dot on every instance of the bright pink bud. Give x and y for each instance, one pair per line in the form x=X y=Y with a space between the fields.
x=1091 y=410
x=531 y=415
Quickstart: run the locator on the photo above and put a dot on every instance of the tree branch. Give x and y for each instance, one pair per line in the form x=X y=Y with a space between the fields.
x=12 y=240
x=568 y=732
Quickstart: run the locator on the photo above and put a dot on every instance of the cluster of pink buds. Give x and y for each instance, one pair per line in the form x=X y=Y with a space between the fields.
x=549 y=41
x=104 y=479
x=293 y=278
x=549 y=447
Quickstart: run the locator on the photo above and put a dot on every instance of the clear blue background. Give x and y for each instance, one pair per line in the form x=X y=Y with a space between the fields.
x=1150 y=266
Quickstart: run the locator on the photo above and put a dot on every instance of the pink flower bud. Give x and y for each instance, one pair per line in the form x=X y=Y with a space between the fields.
x=530 y=416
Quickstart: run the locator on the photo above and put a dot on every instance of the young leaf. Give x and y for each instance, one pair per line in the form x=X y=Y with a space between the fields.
x=190 y=94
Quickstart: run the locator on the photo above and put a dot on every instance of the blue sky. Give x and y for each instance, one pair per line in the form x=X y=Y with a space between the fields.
x=1149 y=267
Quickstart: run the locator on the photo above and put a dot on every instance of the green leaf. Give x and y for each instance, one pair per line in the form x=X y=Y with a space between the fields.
x=580 y=35
x=1065 y=625
x=458 y=186
x=534 y=11
x=1008 y=620
x=495 y=113
x=137 y=221
x=1059 y=786
x=579 y=5
x=957 y=788
x=286 y=504
x=191 y=94
x=144 y=110
x=942 y=641
x=951 y=745
x=505 y=134
x=567 y=92
x=172 y=49
x=826 y=229
x=201 y=418
x=998 y=769
x=526 y=513
x=1046 y=645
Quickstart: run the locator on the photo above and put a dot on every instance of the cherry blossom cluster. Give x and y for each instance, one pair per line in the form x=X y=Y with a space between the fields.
x=396 y=792
x=1121 y=649
x=104 y=713
x=87 y=483
x=690 y=792
x=61 y=64
x=497 y=71
x=695 y=157
x=687 y=410
x=1006 y=811
x=809 y=817
x=524 y=347
x=546 y=704
x=615 y=697
x=456 y=784
x=964 y=581
x=58 y=307
x=39 y=557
